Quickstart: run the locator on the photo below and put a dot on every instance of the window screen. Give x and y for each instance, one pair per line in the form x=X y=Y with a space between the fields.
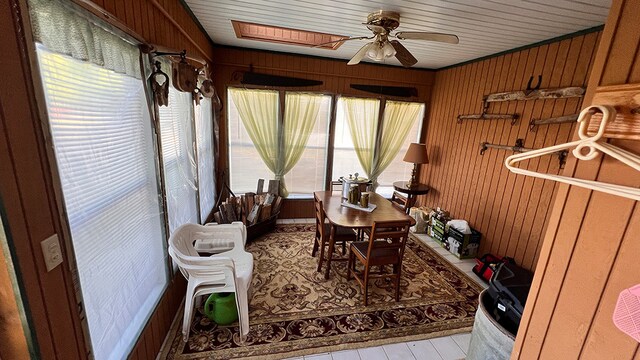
x=177 y=143
x=102 y=139
x=204 y=137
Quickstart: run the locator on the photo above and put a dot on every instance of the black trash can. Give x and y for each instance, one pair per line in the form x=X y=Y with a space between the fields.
x=499 y=313
x=508 y=289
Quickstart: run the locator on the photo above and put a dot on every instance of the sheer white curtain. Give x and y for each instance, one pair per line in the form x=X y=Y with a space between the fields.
x=102 y=137
x=399 y=118
x=180 y=171
x=206 y=166
x=63 y=29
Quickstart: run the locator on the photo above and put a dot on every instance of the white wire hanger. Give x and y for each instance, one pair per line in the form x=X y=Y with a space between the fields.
x=587 y=148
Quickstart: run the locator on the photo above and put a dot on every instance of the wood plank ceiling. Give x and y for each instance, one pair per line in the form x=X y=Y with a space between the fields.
x=485 y=27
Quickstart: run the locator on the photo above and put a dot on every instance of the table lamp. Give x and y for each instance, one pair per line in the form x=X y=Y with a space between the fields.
x=416 y=154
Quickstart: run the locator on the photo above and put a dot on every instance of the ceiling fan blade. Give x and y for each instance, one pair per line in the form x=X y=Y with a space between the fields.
x=360 y=54
x=429 y=36
x=345 y=39
x=403 y=55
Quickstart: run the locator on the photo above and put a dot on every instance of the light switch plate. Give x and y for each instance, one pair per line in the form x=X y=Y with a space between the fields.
x=51 y=252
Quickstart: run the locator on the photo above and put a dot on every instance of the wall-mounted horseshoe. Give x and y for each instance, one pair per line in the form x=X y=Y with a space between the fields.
x=531 y=89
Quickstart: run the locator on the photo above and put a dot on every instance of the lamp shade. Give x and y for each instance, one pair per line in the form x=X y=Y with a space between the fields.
x=417 y=154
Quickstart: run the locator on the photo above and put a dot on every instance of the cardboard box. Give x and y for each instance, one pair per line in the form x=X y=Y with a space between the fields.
x=439 y=238
x=463 y=246
x=438 y=226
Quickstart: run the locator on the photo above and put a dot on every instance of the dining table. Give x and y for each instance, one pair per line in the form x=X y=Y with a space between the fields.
x=357 y=219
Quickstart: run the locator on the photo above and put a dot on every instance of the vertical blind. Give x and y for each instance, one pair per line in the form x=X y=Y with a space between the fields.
x=177 y=143
x=204 y=140
x=102 y=138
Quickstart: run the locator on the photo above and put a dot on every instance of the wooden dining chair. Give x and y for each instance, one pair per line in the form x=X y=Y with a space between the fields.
x=385 y=246
x=323 y=232
x=400 y=201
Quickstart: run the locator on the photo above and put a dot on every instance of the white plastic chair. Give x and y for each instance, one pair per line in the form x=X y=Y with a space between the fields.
x=229 y=271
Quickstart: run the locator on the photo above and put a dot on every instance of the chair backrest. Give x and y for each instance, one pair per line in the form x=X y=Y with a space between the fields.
x=184 y=254
x=399 y=200
x=389 y=235
x=320 y=217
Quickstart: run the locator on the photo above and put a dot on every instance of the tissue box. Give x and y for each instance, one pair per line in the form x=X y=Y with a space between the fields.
x=463 y=246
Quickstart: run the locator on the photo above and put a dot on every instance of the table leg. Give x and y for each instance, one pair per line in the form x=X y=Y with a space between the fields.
x=332 y=245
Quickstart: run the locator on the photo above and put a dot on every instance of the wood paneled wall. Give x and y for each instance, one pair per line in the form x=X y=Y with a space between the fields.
x=336 y=75
x=28 y=200
x=26 y=184
x=590 y=251
x=510 y=211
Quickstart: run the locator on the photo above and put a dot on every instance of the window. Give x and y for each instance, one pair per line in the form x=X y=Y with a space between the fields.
x=398 y=169
x=380 y=146
x=176 y=139
x=345 y=156
x=102 y=139
x=309 y=173
x=246 y=165
x=363 y=141
x=264 y=142
x=206 y=170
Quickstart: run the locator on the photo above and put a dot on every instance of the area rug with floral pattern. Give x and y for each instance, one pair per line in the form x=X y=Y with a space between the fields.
x=294 y=311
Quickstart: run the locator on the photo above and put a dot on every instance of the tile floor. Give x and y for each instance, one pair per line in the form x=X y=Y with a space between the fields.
x=452 y=347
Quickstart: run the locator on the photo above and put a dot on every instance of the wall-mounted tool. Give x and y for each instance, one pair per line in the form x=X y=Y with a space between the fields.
x=535 y=93
x=556 y=120
x=531 y=89
x=485 y=116
x=399 y=91
x=159 y=87
x=519 y=148
x=254 y=78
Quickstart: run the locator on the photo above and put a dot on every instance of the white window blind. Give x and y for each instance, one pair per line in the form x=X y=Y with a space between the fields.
x=206 y=169
x=177 y=143
x=102 y=137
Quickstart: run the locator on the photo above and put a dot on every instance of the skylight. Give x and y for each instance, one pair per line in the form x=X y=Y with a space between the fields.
x=268 y=33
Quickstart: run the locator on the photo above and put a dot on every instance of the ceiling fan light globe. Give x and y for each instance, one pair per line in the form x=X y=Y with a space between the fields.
x=388 y=50
x=372 y=53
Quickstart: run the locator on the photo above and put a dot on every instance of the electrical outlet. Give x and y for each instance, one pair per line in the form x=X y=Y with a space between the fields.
x=51 y=252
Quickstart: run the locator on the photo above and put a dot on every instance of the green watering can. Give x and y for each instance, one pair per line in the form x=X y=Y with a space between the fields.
x=221 y=308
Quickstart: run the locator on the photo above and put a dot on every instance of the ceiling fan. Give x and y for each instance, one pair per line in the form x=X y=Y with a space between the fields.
x=382 y=23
